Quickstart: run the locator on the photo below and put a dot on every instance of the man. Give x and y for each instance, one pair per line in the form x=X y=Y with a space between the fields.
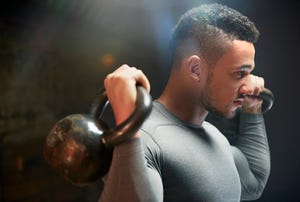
x=177 y=155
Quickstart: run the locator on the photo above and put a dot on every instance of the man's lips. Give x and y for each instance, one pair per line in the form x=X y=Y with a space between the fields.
x=238 y=101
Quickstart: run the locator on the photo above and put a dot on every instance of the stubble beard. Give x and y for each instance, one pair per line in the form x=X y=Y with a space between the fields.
x=207 y=104
x=207 y=101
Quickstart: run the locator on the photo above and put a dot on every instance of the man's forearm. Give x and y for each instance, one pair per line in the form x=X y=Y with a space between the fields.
x=253 y=144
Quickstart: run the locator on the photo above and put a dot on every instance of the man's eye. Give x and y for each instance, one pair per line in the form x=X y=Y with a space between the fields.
x=241 y=74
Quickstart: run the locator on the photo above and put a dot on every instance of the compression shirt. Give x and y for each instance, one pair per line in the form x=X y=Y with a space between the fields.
x=177 y=161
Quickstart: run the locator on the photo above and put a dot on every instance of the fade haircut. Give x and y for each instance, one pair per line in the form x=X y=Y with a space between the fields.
x=207 y=31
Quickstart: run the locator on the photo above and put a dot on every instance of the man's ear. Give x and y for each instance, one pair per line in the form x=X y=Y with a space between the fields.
x=194 y=67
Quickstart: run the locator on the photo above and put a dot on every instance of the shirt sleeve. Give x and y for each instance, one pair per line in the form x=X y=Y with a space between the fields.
x=252 y=155
x=130 y=178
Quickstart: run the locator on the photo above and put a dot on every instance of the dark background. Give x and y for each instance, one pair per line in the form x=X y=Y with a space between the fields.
x=55 y=54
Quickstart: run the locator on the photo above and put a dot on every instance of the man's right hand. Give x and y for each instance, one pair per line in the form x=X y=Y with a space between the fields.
x=120 y=87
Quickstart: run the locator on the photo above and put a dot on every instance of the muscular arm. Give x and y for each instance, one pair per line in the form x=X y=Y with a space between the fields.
x=252 y=155
x=130 y=179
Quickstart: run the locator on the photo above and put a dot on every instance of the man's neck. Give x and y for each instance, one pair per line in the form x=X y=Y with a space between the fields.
x=184 y=106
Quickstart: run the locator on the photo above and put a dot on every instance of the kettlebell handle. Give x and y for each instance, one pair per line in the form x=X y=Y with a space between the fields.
x=268 y=98
x=125 y=130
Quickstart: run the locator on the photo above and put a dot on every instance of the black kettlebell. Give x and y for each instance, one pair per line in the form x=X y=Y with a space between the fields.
x=230 y=127
x=79 y=147
x=268 y=98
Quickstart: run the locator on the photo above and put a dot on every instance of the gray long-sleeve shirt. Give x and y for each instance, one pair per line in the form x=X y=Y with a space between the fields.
x=176 y=161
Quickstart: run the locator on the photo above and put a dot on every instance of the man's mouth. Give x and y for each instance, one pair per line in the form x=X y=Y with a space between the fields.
x=238 y=102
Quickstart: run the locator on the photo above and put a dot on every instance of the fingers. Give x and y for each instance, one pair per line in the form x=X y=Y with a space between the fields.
x=120 y=87
x=141 y=79
x=253 y=85
x=250 y=90
x=127 y=74
x=256 y=85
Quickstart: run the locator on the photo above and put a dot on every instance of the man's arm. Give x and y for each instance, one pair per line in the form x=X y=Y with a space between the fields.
x=129 y=178
x=252 y=155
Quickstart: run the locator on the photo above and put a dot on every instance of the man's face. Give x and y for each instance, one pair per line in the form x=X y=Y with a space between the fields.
x=221 y=94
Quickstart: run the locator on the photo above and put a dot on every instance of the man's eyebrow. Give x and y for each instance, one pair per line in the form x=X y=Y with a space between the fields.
x=245 y=68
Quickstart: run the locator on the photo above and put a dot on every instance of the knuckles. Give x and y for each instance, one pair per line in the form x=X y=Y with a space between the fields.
x=253 y=85
x=123 y=74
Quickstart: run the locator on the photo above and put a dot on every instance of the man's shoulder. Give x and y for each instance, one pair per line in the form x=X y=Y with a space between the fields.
x=154 y=120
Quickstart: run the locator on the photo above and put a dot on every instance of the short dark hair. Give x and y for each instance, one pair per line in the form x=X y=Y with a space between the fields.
x=207 y=29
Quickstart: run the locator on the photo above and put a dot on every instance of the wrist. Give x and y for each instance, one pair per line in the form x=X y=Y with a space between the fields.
x=122 y=115
x=252 y=105
x=252 y=109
